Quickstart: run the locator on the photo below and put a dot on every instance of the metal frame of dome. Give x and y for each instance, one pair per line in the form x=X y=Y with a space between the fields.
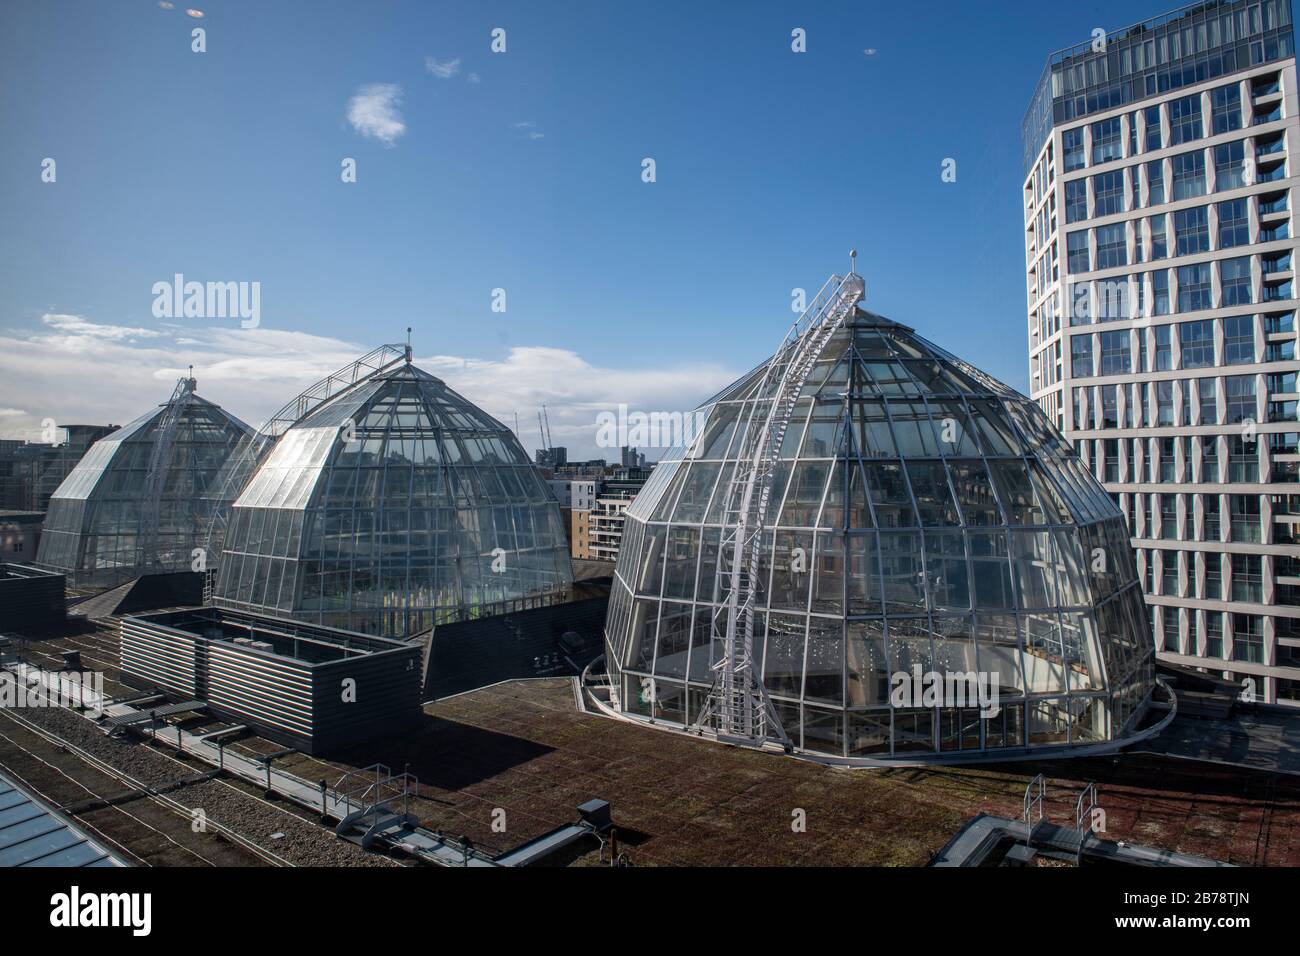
x=389 y=507
x=132 y=505
x=975 y=543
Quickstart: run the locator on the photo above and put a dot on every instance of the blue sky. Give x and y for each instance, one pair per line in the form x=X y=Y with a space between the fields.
x=519 y=170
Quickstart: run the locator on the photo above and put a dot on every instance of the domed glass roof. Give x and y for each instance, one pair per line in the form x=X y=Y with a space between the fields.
x=392 y=507
x=924 y=520
x=93 y=531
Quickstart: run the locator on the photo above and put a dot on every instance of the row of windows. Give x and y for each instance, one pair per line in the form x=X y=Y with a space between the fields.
x=1227 y=223
x=1177 y=459
x=1180 y=345
x=1246 y=631
x=1171 y=403
x=1143 y=131
x=1164 y=571
x=1185 y=289
x=1123 y=190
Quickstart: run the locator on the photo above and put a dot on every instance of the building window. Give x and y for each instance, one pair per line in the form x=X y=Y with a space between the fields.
x=1155 y=182
x=1194 y=287
x=1191 y=231
x=1243 y=461
x=1112 y=246
x=1152 y=117
x=1159 y=297
x=1173 y=640
x=1243 y=511
x=1234 y=224
x=1184 y=119
x=1210 y=465
x=1081 y=356
x=1110 y=409
x=1209 y=408
x=1159 y=240
x=1077 y=259
x=1189 y=175
x=1234 y=280
x=1248 y=638
x=1225 y=108
x=1239 y=340
x=1196 y=344
x=1076 y=200
x=1108 y=193
x=1072 y=149
x=1228 y=169
x=1214 y=633
x=1240 y=390
x=1116 y=353
x=1107 y=142
x=1164 y=403
x=1247 y=578
x=1164 y=349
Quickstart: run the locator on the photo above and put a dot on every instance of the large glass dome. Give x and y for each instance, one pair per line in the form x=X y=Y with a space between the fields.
x=394 y=506
x=924 y=519
x=100 y=526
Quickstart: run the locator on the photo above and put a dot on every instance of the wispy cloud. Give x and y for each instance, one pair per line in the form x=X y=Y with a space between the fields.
x=75 y=327
x=373 y=112
x=253 y=372
x=443 y=71
x=472 y=78
x=529 y=128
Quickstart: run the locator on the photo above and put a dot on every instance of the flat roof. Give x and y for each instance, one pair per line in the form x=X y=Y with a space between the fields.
x=310 y=644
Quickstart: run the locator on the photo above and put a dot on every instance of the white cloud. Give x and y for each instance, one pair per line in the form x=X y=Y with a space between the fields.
x=472 y=78
x=443 y=71
x=254 y=372
x=373 y=112
x=77 y=327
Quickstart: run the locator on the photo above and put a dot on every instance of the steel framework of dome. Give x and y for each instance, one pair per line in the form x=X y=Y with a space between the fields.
x=388 y=506
x=132 y=505
x=861 y=517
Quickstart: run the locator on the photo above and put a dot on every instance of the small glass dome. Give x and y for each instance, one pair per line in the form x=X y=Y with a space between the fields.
x=924 y=520
x=394 y=506
x=94 y=528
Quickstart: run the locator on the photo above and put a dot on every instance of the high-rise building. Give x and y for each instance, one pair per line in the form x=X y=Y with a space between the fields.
x=1160 y=271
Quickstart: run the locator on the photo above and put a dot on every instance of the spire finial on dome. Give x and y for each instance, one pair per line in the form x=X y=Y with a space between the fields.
x=408 y=345
x=853 y=261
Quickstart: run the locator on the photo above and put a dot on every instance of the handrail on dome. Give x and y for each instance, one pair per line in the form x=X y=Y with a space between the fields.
x=738 y=705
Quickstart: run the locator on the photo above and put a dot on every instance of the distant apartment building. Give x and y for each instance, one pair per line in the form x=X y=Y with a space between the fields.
x=1159 y=256
x=31 y=471
x=577 y=497
x=20 y=533
x=606 y=520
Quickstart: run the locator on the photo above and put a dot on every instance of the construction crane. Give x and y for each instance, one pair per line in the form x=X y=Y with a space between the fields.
x=547 y=419
x=738 y=708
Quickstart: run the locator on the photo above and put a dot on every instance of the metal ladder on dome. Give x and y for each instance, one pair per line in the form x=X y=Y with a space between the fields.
x=737 y=707
x=155 y=478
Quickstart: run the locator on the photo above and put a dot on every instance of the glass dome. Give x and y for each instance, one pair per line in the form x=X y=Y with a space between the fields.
x=924 y=520
x=392 y=507
x=93 y=529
